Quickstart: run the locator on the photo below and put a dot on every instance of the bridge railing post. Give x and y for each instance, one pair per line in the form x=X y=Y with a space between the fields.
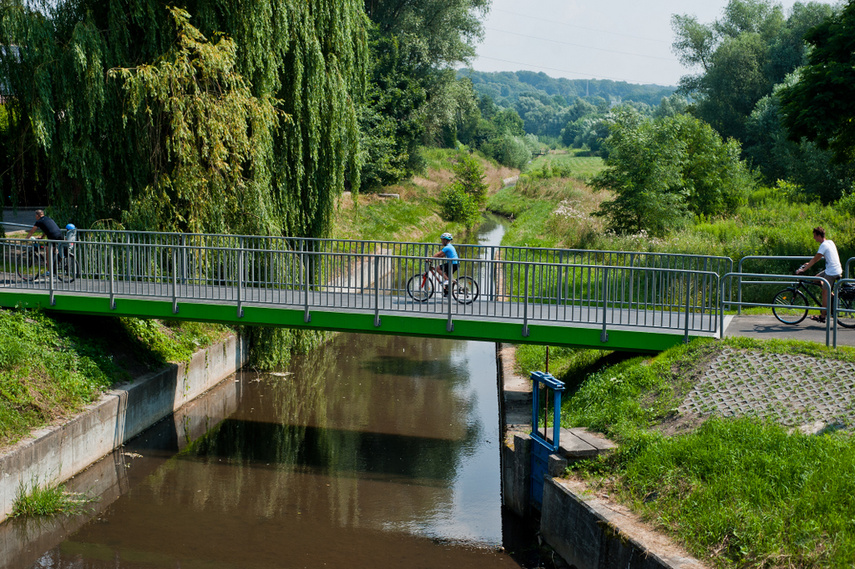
x=686 y=315
x=239 y=283
x=112 y=277
x=449 y=326
x=525 y=301
x=377 y=291
x=604 y=335
x=52 y=271
x=174 y=282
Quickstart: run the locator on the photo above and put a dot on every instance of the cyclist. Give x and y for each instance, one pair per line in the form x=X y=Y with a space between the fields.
x=449 y=252
x=46 y=225
x=833 y=268
x=70 y=239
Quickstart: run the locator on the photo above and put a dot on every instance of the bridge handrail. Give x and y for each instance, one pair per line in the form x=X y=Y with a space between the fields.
x=556 y=284
x=474 y=246
x=294 y=252
x=836 y=298
x=773 y=279
x=775 y=258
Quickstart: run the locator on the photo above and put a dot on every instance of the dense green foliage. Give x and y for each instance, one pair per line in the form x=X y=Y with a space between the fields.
x=414 y=96
x=821 y=106
x=508 y=87
x=741 y=57
x=662 y=170
x=97 y=128
x=746 y=61
x=463 y=199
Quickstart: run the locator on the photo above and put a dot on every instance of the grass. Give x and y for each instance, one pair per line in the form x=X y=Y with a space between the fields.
x=739 y=493
x=50 y=368
x=414 y=216
x=48 y=500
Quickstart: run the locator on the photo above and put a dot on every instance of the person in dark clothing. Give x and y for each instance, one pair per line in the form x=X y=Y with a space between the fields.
x=46 y=225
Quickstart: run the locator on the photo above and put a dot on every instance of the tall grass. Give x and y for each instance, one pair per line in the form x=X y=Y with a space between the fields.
x=47 y=500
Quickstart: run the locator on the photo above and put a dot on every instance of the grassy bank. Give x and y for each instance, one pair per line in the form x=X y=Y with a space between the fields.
x=743 y=492
x=52 y=367
x=414 y=215
x=554 y=206
x=740 y=492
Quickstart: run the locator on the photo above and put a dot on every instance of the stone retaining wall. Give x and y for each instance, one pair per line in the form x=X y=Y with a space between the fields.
x=55 y=454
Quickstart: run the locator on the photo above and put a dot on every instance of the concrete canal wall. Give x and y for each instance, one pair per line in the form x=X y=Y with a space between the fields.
x=588 y=532
x=55 y=454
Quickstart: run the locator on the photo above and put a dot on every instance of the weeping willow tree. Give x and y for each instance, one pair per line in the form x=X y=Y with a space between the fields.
x=234 y=116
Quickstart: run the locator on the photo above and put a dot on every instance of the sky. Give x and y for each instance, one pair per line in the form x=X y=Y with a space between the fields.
x=622 y=40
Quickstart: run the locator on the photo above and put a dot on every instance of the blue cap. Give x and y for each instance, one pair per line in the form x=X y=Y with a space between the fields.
x=70 y=227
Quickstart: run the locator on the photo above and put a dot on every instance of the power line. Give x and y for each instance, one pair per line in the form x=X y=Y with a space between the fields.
x=580 y=27
x=584 y=46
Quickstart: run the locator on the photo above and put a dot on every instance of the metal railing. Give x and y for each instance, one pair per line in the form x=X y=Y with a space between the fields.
x=777 y=280
x=837 y=309
x=605 y=289
x=784 y=269
x=367 y=276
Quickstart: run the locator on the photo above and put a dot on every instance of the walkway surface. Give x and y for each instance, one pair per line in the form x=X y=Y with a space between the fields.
x=767 y=327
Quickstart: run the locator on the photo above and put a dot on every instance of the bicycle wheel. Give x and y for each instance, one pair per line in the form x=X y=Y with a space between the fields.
x=420 y=288
x=67 y=268
x=846 y=319
x=465 y=290
x=790 y=306
x=30 y=265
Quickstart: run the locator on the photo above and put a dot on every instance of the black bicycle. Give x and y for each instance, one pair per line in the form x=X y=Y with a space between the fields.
x=791 y=304
x=32 y=262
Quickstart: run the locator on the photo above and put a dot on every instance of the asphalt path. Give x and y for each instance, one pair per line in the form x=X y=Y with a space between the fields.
x=767 y=327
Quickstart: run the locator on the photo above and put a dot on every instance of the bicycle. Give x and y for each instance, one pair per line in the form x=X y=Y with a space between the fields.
x=32 y=262
x=421 y=287
x=791 y=304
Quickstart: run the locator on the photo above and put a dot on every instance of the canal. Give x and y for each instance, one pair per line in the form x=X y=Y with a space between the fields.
x=371 y=452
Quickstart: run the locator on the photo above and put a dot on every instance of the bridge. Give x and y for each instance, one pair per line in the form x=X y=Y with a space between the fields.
x=602 y=299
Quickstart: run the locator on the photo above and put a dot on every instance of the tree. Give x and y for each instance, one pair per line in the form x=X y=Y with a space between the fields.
x=464 y=198
x=307 y=61
x=203 y=126
x=662 y=170
x=740 y=56
x=415 y=96
x=821 y=105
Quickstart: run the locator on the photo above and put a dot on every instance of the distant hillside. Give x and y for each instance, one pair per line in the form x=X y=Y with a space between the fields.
x=505 y=87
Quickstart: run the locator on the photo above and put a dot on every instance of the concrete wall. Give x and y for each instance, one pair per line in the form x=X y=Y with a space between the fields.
x=586 y=532
x=111 y=477
x=55 y=454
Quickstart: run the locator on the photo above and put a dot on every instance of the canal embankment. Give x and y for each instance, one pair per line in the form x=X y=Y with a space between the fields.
x=586 y=530
x=54 y=454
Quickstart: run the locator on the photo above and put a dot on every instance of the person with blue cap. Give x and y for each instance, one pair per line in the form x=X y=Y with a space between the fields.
x=449 y=252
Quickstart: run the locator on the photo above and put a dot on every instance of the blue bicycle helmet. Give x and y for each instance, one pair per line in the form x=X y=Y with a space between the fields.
x=446 y=236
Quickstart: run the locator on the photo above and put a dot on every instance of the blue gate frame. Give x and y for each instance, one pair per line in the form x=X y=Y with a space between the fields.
x=542 y=446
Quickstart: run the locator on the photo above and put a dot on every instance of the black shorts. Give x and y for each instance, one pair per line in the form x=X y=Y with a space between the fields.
x=451 y=268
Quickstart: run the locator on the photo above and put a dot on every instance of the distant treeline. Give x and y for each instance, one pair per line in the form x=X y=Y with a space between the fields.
x=506 y=87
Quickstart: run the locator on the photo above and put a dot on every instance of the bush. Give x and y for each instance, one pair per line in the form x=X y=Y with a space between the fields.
x=459 y=206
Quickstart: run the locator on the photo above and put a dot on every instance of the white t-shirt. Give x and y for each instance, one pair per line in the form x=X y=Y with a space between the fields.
x=828 y=250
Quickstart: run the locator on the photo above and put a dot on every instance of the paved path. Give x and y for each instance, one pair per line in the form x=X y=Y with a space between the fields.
x=767 y=327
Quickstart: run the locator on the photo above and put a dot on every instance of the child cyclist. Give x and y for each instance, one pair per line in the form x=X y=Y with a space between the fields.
x=448 y=269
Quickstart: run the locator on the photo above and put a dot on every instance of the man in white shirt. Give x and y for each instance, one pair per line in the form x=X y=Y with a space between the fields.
x=833 y=268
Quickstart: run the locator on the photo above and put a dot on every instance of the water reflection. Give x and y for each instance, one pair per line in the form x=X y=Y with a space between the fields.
x=375 y=451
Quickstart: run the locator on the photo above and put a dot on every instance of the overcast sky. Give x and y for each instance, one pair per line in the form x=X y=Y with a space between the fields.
x=623 y=40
